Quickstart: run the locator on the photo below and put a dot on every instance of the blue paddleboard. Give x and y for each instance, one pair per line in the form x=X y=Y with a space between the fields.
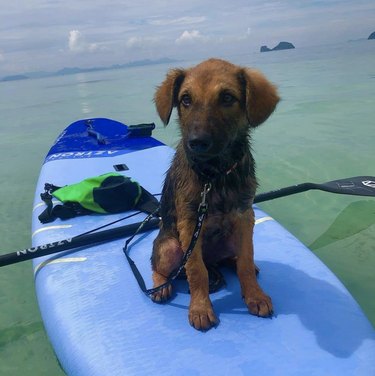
x=100 y=323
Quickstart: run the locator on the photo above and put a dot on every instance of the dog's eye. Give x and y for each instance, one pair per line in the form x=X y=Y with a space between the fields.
x=227 y=99
x=186 y=100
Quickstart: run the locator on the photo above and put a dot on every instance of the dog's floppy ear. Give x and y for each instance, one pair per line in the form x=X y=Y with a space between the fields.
x=261 y=96
x=166 y=95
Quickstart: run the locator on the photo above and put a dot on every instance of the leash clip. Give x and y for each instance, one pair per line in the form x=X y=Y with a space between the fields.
x=206 y=189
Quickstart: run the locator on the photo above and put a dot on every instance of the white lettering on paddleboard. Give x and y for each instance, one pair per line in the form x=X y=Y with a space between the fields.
x=82 y=154
x=44 y=247
x=369 y=183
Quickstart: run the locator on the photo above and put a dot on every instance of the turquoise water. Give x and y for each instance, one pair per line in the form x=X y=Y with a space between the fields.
x=322 y=130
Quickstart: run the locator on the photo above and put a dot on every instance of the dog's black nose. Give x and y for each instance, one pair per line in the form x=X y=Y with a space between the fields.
x=200 y=144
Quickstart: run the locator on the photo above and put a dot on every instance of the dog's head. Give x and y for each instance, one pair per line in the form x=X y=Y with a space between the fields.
x=217 y=103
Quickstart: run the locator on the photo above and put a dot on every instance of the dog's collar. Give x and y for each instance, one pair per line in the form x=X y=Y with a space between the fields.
x=209 y=176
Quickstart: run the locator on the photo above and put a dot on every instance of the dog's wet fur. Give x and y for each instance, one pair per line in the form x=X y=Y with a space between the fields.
x=218 y=104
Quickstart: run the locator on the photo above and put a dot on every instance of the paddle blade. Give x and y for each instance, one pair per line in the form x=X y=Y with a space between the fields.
x=359 y=186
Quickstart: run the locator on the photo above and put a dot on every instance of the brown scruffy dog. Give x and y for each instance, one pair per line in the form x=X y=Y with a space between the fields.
x=218 y=103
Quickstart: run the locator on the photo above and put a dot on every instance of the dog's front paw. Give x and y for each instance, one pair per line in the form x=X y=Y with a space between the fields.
x=259 y=304
x=163 y=294
x=202 y=317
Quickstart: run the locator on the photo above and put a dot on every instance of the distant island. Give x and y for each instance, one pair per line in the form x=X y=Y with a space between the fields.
x=372 y=35
x=16 y=77
x=280 y=46
x=75 y=70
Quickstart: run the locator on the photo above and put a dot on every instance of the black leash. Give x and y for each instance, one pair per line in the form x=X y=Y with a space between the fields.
x=202 y=212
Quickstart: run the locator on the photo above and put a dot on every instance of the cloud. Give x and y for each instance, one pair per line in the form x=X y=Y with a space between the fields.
x=178 y=21
x=77 y=43
x=2 y=58
x=190 y=36
x=138 y=42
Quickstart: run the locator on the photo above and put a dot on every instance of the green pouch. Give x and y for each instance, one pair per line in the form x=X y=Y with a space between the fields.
x=107 y=193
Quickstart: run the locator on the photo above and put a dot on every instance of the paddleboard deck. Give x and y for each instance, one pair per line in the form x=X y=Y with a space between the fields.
x=100 y=323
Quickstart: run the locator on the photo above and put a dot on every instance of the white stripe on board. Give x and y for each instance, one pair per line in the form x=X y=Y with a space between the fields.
x=44 y=204
x=58 y=261
x=263 y=219
x=48 y=228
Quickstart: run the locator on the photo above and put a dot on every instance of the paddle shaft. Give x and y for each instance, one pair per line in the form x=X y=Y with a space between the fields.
x=287 y=191
x=76 y=242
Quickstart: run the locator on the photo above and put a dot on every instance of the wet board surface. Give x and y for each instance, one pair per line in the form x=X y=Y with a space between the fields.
x=100 y=323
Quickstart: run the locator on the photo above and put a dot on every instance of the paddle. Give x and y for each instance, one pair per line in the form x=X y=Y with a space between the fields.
x=360 y=186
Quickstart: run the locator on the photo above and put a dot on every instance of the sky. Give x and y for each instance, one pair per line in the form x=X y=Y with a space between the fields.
x=48 y=35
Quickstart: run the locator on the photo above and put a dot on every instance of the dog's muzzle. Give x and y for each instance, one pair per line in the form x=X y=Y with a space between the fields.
x=210 y=159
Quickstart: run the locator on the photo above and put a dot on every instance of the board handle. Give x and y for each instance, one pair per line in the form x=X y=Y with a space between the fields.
x=141 y=130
